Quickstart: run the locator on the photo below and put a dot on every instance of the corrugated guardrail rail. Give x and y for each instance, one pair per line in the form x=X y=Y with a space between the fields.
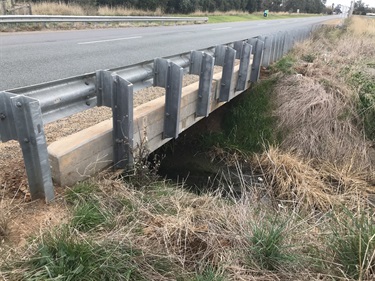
x=24 y=111
x=43 y=19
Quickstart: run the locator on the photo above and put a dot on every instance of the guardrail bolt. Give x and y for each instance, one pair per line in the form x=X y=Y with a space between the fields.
x=26 y=140
x=2 y=116
x=87 y=103
x=18 y=104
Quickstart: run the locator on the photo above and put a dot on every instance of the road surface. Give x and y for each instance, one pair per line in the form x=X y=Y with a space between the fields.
x=28 y=58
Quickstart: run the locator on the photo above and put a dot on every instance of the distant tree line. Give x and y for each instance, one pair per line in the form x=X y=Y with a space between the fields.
x=190 y=6
x=361 y=8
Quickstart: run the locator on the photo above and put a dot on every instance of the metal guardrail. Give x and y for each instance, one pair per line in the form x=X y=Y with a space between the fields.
x=43 y=18
x=24 y=111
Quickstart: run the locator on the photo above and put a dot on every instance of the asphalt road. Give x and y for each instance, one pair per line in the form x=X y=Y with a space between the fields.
x=29 y=58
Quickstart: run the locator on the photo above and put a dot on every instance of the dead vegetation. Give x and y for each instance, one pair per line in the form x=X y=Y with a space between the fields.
x=311 y=217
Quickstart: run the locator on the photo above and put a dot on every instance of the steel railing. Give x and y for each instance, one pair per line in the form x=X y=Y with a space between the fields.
x=43 y=18
x=24 y=111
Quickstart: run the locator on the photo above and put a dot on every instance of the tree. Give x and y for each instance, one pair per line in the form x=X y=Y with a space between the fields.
x=359 y=8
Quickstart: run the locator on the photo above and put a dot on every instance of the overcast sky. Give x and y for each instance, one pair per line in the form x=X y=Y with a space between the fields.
x=371 y=3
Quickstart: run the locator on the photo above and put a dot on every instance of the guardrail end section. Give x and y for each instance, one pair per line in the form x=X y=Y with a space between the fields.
x=30 y=134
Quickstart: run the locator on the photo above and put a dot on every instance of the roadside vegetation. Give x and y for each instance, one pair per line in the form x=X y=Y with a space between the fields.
x=305 y=212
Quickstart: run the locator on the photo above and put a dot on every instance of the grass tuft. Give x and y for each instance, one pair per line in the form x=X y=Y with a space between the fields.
x=62 y=255
x=81 y=192
x=353 y=244
x=284 y=65
x=267 y=247
x=210 y=274
x=89 y=216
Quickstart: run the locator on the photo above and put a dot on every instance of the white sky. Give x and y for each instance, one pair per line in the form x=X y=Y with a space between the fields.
x=371 y=3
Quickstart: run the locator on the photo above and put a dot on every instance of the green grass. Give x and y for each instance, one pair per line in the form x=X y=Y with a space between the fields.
x=88 y=213
x=88 y=216
x=210 y=274
x=352 y=244
x=267 y=248
x=61 y=255
x=81 y=192
x=284 y=65
x=251 y=17
x=249 y=124
x=366 y=107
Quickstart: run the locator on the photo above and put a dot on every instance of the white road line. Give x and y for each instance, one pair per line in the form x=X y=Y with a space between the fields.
x=109 y=40
x=221 y=28
x=260 y=24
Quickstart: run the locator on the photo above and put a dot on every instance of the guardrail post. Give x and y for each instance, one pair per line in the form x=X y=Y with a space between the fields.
x=117 y=93
x=123 y=134
x=244 y=70
x=267 y=51
x=273 y=48
x=225 y=56
x=21 y=120
x=258 y=46
x=169 y=76
x=278 y=46
x=202 y=64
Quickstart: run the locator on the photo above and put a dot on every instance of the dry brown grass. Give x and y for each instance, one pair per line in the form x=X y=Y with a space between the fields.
x=362 y=26
x=317 y=108
x=4 y=226
x=292 y=180
x=196 y=232
x=123 y=11
x=319 y=123
x=50 y=8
